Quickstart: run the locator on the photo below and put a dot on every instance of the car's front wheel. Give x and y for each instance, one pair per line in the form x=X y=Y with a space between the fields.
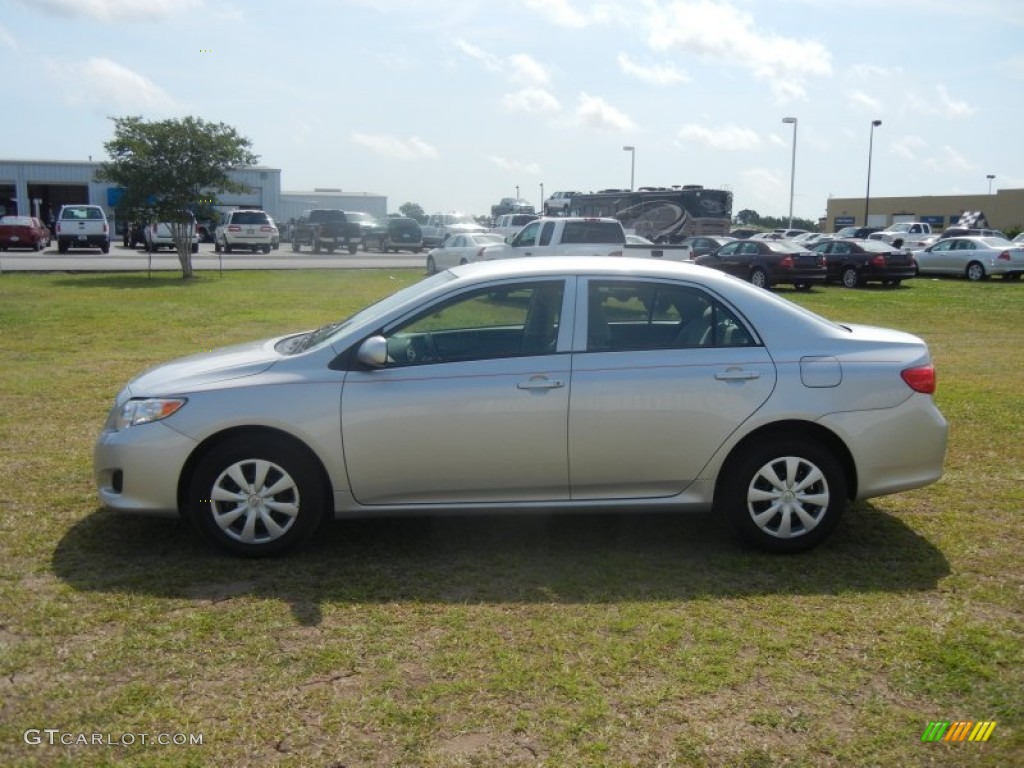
x=255 y=496
x=785 y=495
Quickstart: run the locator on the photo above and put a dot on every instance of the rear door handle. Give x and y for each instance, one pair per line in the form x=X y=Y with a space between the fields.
x=736 y=374
x=540 y=382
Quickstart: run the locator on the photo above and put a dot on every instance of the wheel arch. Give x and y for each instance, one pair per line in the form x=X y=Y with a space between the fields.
x=212 y=442
x=790 y=429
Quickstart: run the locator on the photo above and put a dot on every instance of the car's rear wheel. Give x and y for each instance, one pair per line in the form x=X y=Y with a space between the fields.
x=784 y=495
x=850 y=278
x=759 y=277
x=266 y=249
x=256 y=496
x=975 y=271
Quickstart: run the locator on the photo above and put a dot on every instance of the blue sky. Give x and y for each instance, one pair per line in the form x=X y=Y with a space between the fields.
x=453 y=104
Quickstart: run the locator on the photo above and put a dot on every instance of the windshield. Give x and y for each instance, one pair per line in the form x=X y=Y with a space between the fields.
x=367 y=316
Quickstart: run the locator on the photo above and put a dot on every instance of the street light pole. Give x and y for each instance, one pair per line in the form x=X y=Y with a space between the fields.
x=541 y=196
x=792 y=169
x=632 y=165
x=990 y=177
x=871 y=143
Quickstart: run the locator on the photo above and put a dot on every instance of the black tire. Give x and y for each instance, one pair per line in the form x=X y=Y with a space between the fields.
x=195 y=247
x=266 y=249
x=245 y=519
x=975 y=271
x=316 y=244
x=431 y=266
x=759 y=278
x=296 y=245
x=62 y=246
x=850 y=278
x=105 y=248
x=800 y=477
x=228 y=248
x=352 y=250
x=382 y=245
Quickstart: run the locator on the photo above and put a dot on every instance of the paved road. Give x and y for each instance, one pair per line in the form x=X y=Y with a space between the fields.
x=121 y=259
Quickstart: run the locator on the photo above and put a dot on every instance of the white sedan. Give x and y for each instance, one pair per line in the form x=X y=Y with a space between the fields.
x=461 y=249
x=975 y=258
x=534 y=385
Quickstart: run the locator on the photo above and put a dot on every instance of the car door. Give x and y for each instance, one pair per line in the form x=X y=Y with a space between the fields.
x=472 y=405
x=662 y=373
x=727 y=259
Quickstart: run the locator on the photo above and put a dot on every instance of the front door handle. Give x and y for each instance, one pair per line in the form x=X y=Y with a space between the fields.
x=540 y=382
x=736 y=374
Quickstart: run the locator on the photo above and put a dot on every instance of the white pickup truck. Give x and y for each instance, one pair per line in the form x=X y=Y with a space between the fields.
x=576 y=236
x=913 y=235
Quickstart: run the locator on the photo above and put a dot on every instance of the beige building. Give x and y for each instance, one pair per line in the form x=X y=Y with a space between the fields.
x=1004 y=210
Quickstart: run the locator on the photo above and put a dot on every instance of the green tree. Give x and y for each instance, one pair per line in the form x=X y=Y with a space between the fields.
x=173 y=167
x=413 y=211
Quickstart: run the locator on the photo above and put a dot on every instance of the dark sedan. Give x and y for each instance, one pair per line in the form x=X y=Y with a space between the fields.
x=857 y=262
x=768 y=262
x=702 y=244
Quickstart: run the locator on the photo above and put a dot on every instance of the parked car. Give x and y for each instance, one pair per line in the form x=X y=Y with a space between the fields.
x=510 y=223
x=970 y=232
x=161 y=235
x=558 y=203
x=858 y=233
x=367 y=223
x=857 y=262
x=461 y=249
x=83 y=226
x=134 y=234
x=808 y=239
x=245 y=228
x=1018 y=239
x=23 y=232
x=690 y=391
x=976 y=258
x=638 y=240
x=702 y=244
x=440 y=225
x=767 y=262
x=395 y=234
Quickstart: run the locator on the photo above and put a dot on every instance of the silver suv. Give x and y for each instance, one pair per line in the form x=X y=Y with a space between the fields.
x=245 y=228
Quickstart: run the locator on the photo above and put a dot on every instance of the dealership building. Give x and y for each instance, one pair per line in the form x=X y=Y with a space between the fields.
x=1003 y=209
x=41 y=187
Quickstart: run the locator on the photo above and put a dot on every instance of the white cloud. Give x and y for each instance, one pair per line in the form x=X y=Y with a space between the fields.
x=949 y=160
x=491 y=62
x=514 y=165
x=721 y=31
x=412 y=148
x=530 y=100
x=953 y=106
x=729 y=138
x=563 y=14
x=763 y=189
x=526 y=70
x=7 y=39
x=908 y=147
x=656 y=74
x=118 y=10
x=595 y=112
x=863 y=101
x=105 y=84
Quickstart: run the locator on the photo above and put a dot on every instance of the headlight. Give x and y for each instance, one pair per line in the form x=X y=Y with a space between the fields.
x=136 y=412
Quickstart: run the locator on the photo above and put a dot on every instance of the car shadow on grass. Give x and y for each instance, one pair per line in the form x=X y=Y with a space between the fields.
x=578 y=558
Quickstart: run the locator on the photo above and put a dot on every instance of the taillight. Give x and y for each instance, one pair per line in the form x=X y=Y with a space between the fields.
x=1004 y=256
x=878 y=261
x=920 y=379
x=266 y=228
x=234 y=228
x=786 y=263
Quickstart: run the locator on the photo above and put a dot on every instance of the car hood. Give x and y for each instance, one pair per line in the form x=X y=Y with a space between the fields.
x=197 y=371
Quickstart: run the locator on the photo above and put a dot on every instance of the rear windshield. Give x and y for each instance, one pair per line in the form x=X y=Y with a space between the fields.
x=250 y=217
x=404 y=225
x=593 y=232
x=83 y=212
x=23 y=221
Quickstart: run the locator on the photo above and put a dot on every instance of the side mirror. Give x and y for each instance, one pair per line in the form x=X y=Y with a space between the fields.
x=373 y=353
x=509 y=239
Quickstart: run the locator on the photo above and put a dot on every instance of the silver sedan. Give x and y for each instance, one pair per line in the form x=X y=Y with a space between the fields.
x=975 y=258
x=535 y=385
x=461 y=249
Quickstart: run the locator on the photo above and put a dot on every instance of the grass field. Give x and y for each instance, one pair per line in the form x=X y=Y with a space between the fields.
x=536 y=641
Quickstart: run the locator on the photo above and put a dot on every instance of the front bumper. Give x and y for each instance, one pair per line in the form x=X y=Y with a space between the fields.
x=137 y=469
